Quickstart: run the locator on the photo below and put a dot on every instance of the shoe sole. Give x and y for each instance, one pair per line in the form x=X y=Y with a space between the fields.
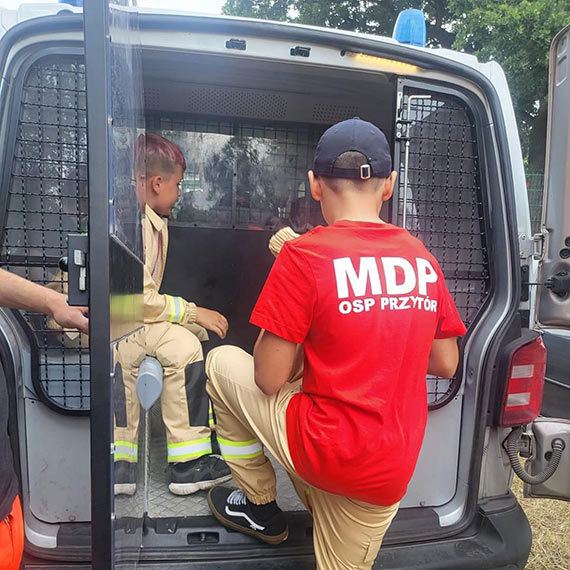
x=125 y=488
x=277 y=539
x=190 y=488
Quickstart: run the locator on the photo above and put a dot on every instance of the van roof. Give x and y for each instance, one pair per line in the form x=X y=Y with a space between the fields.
x=27 y=11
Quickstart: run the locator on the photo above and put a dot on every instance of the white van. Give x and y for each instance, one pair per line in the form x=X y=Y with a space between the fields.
x=247 y=101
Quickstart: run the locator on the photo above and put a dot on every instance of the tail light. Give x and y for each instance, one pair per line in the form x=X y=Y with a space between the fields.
x=525 y=383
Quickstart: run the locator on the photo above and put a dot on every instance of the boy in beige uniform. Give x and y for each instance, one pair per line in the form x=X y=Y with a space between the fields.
x=369 y=306
x=174 y=329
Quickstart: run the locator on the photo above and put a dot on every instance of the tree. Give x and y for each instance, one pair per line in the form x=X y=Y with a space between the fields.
x=356 y=15
x=515 y=33
x=262 y=9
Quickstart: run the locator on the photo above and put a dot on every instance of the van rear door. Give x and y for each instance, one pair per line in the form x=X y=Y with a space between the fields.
x=553 y=301
x=553 y=298
x=114 y=121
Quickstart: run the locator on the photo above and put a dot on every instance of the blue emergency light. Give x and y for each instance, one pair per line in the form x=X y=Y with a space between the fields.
x=410 y=28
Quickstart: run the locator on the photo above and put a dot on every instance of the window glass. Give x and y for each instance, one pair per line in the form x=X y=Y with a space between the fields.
x=243 y=175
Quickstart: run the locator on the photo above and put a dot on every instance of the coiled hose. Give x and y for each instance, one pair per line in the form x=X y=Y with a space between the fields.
x=558 y=446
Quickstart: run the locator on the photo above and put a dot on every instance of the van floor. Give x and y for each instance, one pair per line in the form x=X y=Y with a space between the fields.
x=161 y=503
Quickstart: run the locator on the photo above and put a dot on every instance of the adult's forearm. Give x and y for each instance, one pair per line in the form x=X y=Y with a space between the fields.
x=19 y=293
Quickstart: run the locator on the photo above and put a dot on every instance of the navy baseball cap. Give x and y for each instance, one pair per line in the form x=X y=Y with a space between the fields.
x=353 y=135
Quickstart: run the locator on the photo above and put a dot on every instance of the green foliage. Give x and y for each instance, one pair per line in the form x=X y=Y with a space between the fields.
x=515 y=33
x=262 y=9
x=355 y=15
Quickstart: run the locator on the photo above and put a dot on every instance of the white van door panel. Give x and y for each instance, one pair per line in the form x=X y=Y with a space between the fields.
x=553 y=300
x=552 y=308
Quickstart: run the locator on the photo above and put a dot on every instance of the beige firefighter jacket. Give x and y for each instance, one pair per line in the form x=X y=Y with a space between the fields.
x=160 y=307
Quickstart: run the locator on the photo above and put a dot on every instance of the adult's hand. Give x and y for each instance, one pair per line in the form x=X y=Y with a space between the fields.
x=69 y=317
x=212 y=320
x=19 y=293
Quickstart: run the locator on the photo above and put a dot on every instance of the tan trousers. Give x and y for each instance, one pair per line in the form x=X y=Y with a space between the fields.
x=184 y=401
x=347 y=534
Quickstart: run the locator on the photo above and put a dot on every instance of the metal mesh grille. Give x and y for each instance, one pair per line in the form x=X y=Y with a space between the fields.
x=443 y=203
x=47 y=200
x=236 y=102
x=333 y=113
x=151 y=98
x=241 y=174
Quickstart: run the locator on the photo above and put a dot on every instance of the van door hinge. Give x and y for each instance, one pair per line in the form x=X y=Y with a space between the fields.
x=300 y=51
x=234 y=43
x=539 y=246
x=402 y=131
x=402 y=121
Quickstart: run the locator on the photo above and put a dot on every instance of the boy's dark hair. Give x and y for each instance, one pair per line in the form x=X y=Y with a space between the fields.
x=350 y=159
x=160 y=155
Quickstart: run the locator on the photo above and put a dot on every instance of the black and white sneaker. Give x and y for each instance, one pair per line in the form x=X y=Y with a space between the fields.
x=234 y=510
x=125 y=478
x=202 y=473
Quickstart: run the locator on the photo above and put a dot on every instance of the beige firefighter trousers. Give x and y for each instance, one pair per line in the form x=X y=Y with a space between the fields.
x=347 y=534
x=184 y=402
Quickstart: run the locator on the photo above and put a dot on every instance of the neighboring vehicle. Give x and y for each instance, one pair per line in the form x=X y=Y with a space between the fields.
x=247 y=101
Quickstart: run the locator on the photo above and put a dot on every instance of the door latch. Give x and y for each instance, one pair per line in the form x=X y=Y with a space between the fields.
x=526 y=444
x=77 y=266
x=559 y=284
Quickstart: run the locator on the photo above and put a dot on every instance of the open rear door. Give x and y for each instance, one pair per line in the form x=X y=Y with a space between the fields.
x=553 y=301
x=553 y=298
x=115 y=120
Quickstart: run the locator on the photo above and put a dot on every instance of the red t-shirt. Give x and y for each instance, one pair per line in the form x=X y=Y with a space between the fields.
x=366 y=300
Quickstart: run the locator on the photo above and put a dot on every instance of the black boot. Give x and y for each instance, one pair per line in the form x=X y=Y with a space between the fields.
x=125 y=478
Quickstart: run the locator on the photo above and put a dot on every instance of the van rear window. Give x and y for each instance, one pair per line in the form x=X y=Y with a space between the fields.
x=242 y=174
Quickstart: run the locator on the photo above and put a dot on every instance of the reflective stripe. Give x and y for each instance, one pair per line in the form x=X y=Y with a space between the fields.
x=176 y=309
x=210 y=415
x=240 y=449
x=125 y=450
x=189 y=449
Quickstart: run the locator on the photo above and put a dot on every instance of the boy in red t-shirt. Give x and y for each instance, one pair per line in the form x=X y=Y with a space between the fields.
x=369 y=305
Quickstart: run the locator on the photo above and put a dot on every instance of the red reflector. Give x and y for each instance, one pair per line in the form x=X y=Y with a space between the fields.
x=525 y=384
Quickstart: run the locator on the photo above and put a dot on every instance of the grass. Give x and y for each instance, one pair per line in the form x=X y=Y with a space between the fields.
x=550 y=523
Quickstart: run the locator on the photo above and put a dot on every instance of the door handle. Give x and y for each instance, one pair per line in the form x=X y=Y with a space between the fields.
x=76 y=264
